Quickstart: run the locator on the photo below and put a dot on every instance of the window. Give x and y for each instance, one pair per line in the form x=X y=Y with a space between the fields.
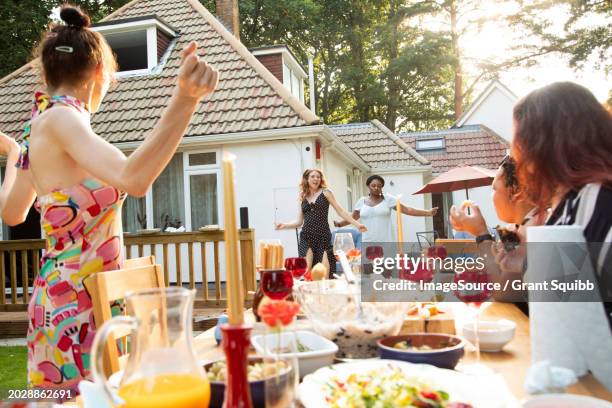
x=202 y=159
x=430 y=144
x=134 y=214
x=286 y=76
x=139 y=43
x=349 y=192
x=201 y=181
x=203 y=197
x=130 y=48
x=168 y=196
x=186 y=194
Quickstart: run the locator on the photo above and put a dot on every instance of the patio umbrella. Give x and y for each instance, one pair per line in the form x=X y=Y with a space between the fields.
x=459 y=178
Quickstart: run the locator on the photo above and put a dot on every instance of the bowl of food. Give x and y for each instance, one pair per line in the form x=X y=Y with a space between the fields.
x=258 y=373
x=440 y=350
x=336 y=312
x=311 y=350
x=493 y=335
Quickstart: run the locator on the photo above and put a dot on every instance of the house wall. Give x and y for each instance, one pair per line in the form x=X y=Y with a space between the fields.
x=267 y=177
x=495 y=112
x=274 y=63
x=336 y=170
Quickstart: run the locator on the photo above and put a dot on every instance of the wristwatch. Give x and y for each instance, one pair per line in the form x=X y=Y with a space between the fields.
x=484 y=237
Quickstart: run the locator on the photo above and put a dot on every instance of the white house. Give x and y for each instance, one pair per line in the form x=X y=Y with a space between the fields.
x=257 y=113
x=493 y=109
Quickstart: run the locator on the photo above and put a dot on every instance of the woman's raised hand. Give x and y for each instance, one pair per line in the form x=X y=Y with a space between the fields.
x=196 y=77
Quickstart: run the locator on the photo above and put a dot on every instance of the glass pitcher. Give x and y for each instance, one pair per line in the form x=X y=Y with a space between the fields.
x=162 y=369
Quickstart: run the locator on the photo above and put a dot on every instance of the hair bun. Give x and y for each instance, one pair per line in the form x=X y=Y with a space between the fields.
x=73 y=16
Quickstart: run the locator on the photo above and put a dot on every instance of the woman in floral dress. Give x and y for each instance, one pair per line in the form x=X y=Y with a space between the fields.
x=79 y=182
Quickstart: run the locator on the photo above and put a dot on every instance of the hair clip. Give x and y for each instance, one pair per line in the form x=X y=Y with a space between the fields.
x=65 y=48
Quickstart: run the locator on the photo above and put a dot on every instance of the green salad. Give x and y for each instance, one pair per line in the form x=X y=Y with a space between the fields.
x=387 y=387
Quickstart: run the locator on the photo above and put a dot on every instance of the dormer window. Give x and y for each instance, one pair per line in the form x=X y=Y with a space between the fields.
x=138 y=43
x=281 y=62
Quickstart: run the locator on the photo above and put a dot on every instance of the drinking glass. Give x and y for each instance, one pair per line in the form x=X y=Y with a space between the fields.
x=276 y=283
x=297 y=266
x=343 y=242
x=474 y=298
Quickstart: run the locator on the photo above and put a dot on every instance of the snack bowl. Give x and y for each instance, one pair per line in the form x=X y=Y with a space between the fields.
x=258 y=387
x=313 y=351
x=438 y=349
x=493 y=335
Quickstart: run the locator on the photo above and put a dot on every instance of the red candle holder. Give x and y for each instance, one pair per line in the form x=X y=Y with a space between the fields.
x=236 y=343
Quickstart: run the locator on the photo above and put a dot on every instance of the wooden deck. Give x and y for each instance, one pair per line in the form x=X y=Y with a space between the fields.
x=14 y=324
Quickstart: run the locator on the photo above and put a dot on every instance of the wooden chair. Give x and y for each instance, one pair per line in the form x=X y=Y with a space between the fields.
x=142 y=261
x=106 y=287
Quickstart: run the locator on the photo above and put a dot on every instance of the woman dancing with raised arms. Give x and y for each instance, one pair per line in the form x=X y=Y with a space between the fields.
x=81 y=181
x=315 y=237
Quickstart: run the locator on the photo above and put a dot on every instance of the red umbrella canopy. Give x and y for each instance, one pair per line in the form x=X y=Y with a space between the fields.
x=459 y=178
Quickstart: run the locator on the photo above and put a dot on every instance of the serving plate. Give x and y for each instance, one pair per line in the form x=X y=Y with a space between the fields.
x=488 y=391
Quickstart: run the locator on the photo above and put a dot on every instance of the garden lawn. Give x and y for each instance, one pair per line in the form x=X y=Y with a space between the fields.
x=13 y=367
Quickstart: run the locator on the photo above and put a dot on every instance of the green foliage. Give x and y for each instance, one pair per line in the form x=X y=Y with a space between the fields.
x=97 y=9
x=23 y=22
x=13 y=367
x=368 y=63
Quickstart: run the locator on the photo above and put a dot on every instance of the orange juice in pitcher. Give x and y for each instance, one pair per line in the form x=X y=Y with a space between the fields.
x=162 y=370
x=167 y=390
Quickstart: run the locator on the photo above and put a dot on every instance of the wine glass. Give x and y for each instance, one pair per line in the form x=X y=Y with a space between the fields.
x=343 y=242
x=374 y=252
x=277 y=284
x=297 y=266
x=474 y=297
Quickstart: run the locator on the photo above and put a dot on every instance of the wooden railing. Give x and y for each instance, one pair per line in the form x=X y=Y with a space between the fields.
x=19 y=264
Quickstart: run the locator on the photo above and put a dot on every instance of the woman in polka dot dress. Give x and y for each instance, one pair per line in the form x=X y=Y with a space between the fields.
x=315 y=238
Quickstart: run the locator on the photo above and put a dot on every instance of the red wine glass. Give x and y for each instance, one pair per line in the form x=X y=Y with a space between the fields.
x=277 y=284
x=474 y=297
x=297 y=266
x=374 y=252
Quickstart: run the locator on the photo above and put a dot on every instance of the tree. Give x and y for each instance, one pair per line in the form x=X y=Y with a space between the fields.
x=23 y=22
x=97 y=9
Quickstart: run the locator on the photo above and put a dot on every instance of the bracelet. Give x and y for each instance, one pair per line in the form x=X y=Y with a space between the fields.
x=484 y=237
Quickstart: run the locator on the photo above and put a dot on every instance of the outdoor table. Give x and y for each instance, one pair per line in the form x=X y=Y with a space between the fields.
x=512 y=363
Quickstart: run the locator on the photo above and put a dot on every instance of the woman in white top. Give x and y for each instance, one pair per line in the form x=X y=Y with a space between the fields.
x=375 y=212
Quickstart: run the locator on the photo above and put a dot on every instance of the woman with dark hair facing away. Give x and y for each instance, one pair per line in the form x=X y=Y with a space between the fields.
x=563 y=149
x=375 y=212
x=315 y=238
x=80 y=197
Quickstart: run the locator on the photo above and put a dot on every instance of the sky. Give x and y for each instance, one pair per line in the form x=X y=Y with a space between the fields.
x=495 y=39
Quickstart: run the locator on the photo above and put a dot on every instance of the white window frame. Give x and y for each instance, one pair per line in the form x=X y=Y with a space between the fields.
x=349 y=190
x=424 y=141
x=189 y=171
x=151 y=26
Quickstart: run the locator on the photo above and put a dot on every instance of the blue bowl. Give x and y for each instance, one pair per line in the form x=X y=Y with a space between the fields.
x=446 y=350
x=258 y=388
